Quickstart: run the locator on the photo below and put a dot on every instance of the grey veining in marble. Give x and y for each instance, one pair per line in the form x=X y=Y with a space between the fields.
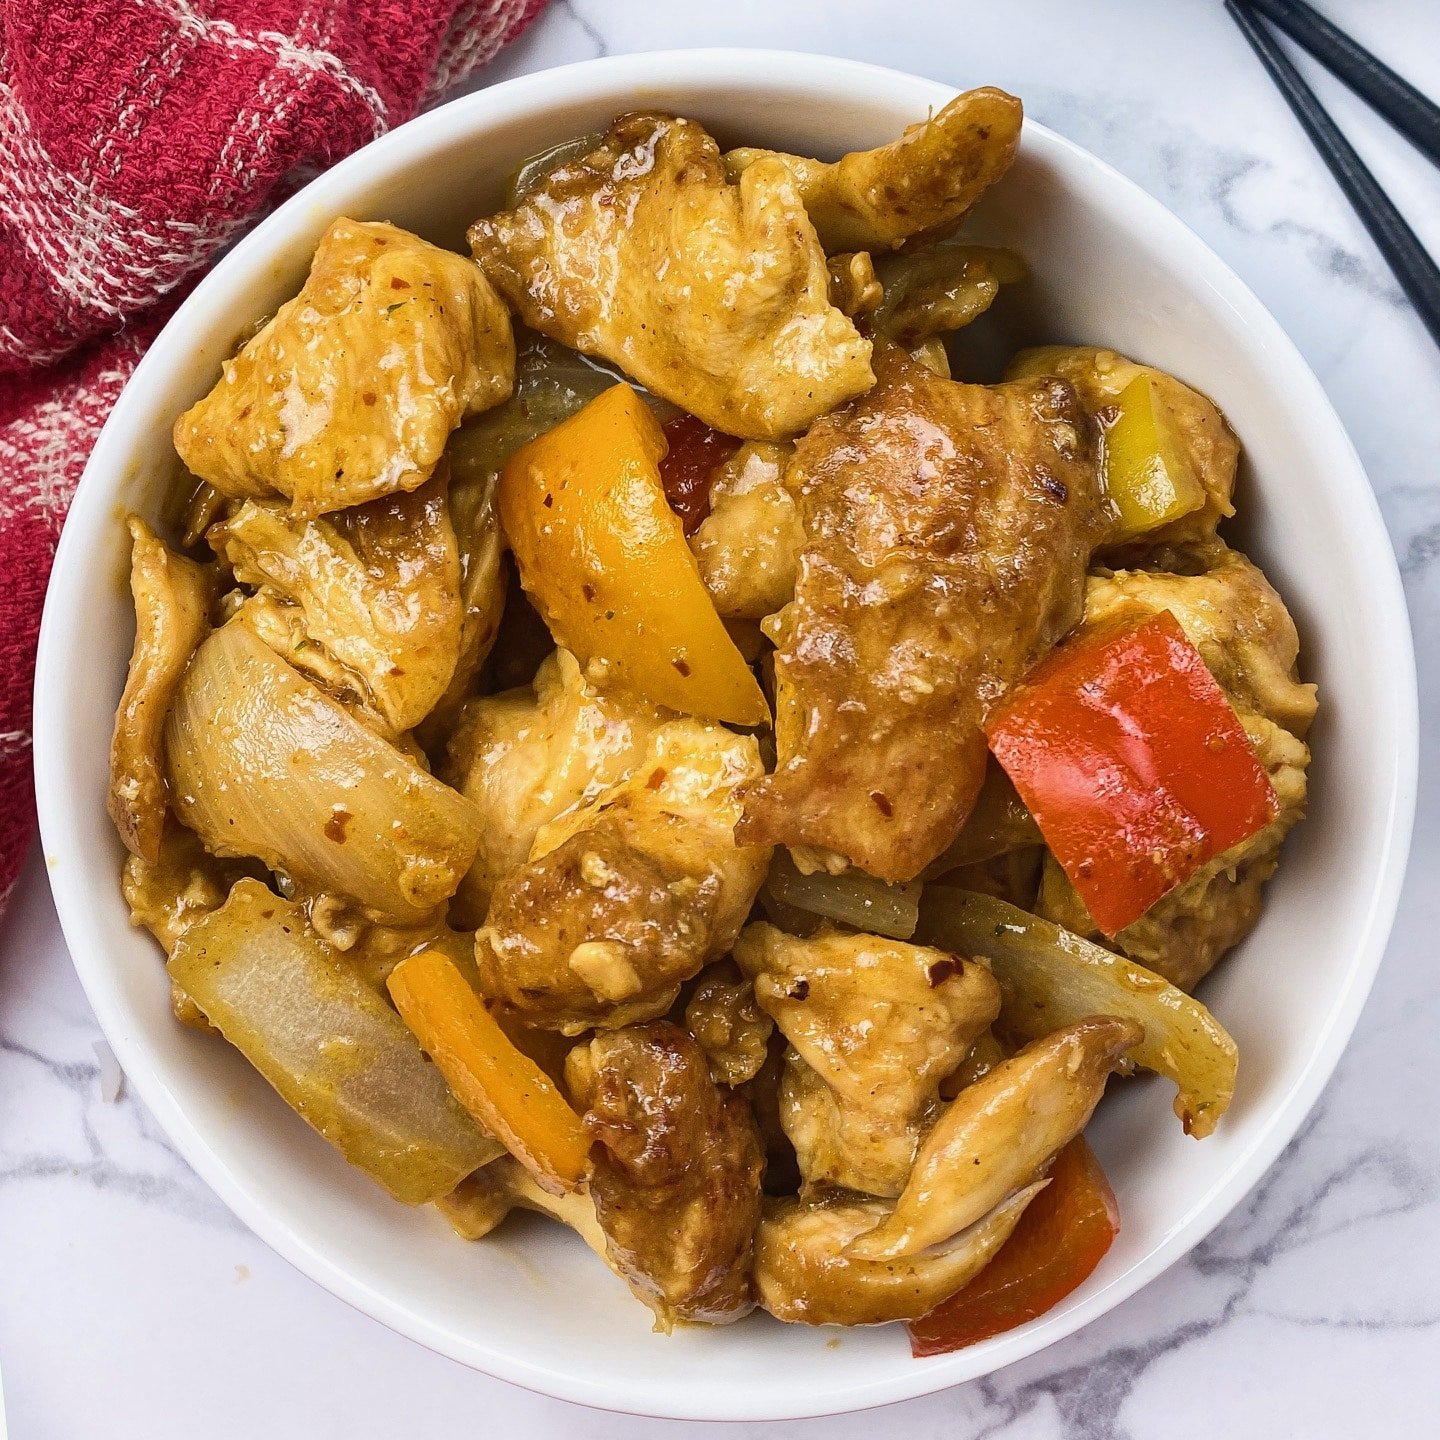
x=1313 y=1311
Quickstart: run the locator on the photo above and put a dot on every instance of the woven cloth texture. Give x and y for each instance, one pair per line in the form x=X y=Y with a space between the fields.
x=137 y=139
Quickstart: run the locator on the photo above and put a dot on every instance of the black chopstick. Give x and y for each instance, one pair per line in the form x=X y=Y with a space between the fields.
x=1417 y=273
x=1410 y=112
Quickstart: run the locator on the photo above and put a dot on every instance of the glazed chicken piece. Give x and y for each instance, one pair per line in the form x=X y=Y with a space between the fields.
x=712 y=294
x=377 y=587
x=526 y=756
x=733 y=1031
x=481 y=548
x=183 y=883
x=875 y=1025
x=352 y=390
x=1241 y=627
x=748 y=547
x=172 y=607
x=625 y=898
x=1099 y=376
x=934 y=289
x=947 y=532
x=998 y=1134
x=925 y=180
x=827 y=1258
x=803 y=1274
x=676 y=1183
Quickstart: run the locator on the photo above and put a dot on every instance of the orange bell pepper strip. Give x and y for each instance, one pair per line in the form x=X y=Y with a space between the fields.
x=604 y=557
x=695 y=452
x=1062 y=1236
x=503 y=1089
x=1133 y=763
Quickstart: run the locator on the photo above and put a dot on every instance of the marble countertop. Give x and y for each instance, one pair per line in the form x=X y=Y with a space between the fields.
x=133 y=1304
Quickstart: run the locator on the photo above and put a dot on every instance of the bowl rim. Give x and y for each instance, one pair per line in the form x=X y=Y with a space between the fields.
x=91 y=509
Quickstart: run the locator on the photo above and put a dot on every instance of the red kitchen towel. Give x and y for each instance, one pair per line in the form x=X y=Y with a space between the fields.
x=137 y=139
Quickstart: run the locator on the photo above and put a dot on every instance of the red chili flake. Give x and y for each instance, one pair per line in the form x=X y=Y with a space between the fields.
x=336 y=824
x=657 y=778
x=396 y=283
x=881 y=801
x=941 y=971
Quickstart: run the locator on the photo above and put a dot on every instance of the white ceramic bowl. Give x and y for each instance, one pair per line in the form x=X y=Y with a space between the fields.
x=1110 y=266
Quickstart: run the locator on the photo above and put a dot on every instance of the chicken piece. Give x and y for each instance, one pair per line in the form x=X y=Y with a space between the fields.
x=183 y=883
x=479 y=1203
x=748 y=547
x=676 y=1183
x=998 y=1134
x=937 y=288
x=804 y=1273
x=1099 y=376
x=378 y=587
x=947 y=531
x=854 y=287
x=172 y=615
x=481 y=546
x=732 y=1029
x=1241 y=627
x=875 y=1026
x=925 y=180
x=626 y=897
x=280 y=626
x=351 y=391
x=711 y=294
x=526 y=756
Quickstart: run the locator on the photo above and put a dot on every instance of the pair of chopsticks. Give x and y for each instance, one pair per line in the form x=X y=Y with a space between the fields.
x=1416 y=117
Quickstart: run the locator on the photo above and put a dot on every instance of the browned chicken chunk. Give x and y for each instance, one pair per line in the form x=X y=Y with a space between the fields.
x=624 y=899
x=377 y=587
x=526 y=756
x=352 y=390
x=947 y=531
x=676 y=1183
x=172 y=605
x=734 y=1032
x=1100 y=376
x=925 y=180
x=712 y=294
x=748 y=546
x=805 y=1274
x=1234 y=617
x=875 y=1026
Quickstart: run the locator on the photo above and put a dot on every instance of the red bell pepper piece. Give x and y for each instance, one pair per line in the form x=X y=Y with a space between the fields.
x=1062 y=1236
x=1133 y=763
x=695 y=453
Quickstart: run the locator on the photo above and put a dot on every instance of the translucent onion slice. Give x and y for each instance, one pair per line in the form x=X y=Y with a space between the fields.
x=327 y=1041
x=1050 y=978
x=852 y=898
x=263 y=763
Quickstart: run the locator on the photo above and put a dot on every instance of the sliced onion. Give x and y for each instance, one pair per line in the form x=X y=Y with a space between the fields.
x=327 y=1041
x=263 y=763
x=852 y=898
x=1050 y=978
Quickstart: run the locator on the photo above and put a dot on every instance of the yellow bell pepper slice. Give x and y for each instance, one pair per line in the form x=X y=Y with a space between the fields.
x=1149 y=472
x=604 y=558
x=504 y=1090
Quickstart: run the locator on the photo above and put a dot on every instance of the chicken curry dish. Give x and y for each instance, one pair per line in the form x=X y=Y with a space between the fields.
x=618 y=729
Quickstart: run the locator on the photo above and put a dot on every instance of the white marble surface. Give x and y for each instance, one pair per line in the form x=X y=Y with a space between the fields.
x=132 y=1304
